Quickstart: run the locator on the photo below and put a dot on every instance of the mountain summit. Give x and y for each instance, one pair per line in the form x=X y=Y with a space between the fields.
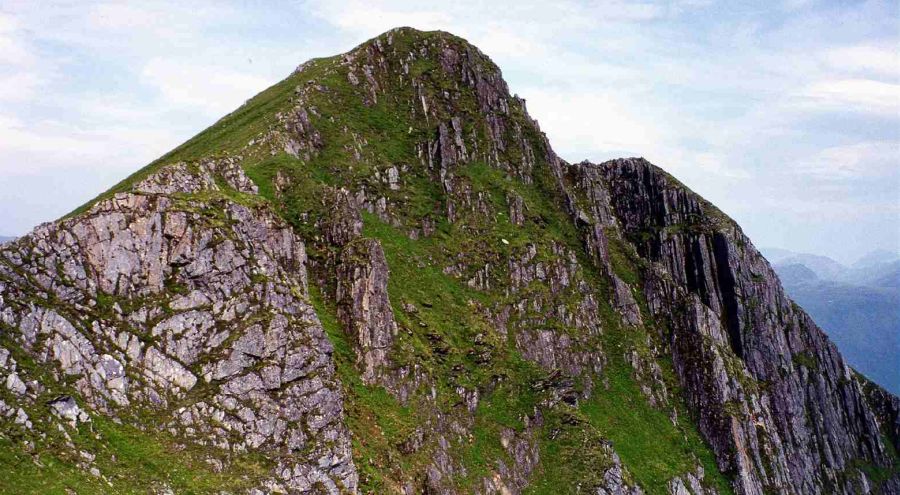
x=376 y=276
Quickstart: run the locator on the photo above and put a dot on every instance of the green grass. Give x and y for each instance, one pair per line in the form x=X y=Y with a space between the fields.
x=573 y=456
x=443 y=303
x=26 y=473
x=653 y=450
x=132 y=460
x=806 y=360
x=378 y=422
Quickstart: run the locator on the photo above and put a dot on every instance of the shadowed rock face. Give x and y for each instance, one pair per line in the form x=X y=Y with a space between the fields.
x=803 y=421
x=364 y=306
x=499 y=320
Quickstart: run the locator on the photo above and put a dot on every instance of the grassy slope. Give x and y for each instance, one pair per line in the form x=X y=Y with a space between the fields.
x=133 y=460
x=652 y=449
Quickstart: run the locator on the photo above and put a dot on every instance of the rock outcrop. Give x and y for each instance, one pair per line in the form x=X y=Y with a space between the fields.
x=151 y=296
x=364 y=307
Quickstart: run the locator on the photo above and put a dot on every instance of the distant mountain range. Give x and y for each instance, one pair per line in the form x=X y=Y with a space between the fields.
x=858 y=305
x=4 y=238
x=877 y=269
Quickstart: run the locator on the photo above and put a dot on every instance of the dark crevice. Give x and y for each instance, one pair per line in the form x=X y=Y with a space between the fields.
x=729 y=297
x=694 y=268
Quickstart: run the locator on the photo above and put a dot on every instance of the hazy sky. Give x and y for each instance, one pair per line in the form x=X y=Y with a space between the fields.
x=786 y=116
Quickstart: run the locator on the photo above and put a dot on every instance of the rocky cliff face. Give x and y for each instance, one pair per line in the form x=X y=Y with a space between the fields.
x=793 y=419
x=378 y=277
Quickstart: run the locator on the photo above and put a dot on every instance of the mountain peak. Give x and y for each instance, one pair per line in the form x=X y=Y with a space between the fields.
x=339 y=113
x=409 y=44
x=406 y=39
x=876 y=257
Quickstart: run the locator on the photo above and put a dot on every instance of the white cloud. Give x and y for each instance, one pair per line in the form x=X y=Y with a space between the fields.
x=590 y=122
x=123 y=27
x=214 y=90
x=791 y=5
x=718 y=164
x=370 y=19
x=19 y=75
x=130 y=17
x=866 y=59
x=502 y=42
x=855 y=161
x=19 y=86
x=45 y=147
x=12 y=49
x=855 y=94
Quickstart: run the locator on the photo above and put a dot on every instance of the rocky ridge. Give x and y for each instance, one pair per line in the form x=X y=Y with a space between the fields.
x=192 y=305
x=378 y=277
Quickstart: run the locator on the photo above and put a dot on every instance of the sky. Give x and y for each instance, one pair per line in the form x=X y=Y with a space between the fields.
x=784 y=114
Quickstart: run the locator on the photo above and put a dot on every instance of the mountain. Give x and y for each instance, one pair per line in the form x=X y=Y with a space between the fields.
x=823 y=266
x=864 y=321
x=889 y=276
x=4 y=238
x=885 y=273
x=795 y=274
x=858 y=306
x=879 y=268
x=876 y=258
x=376 y=276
